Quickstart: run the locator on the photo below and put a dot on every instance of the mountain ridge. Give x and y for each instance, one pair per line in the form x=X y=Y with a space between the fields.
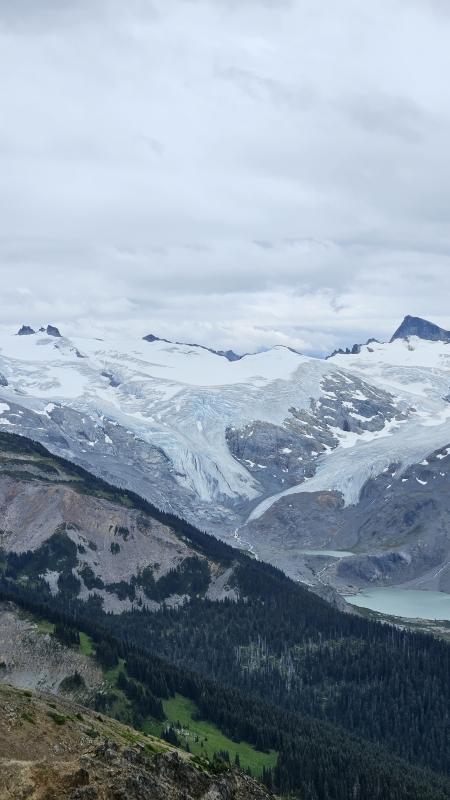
x=230 y=355
x=410 y=326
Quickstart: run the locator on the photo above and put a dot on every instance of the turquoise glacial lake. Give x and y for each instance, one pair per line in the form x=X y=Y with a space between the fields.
x=411 y=603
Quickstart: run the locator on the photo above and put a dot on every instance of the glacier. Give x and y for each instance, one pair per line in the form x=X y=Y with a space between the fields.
x=224 y=443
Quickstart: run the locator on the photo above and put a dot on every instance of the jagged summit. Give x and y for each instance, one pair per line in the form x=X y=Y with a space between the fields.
x=25 y=330
x=50 y=330
x=411 y=326
x=228 y=354
x=353 y=351
x=416 y=326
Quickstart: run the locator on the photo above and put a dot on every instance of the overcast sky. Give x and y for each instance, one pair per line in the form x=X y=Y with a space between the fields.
x=235 y=172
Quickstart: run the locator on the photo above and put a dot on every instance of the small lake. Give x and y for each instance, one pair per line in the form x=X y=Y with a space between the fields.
x=404 y=602
x=331 y=553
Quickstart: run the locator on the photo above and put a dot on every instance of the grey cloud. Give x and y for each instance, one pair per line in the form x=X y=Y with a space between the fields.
x=240 y=173
x=440 y=7
x=44 y=16
x=28 y=15
x=387 y=114
x=267 y=89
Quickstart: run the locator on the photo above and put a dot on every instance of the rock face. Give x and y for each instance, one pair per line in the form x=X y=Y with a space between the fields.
x=398 y=532
x=287 y=454
x=60 y=751
x=115 y=551
x=25 y=330
x=52 y=331
x=32 y=659
x=416 y=326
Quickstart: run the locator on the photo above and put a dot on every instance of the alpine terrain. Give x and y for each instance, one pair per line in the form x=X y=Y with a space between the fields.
x=275 y=452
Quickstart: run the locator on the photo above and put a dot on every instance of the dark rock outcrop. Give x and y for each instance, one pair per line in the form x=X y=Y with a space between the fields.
x=286 y=454
x=416 y=326
x=52 y=331
x=351 y=351
x=25 y=330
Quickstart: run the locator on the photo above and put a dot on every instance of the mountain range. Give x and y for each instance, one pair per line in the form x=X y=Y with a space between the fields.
x=275 y=452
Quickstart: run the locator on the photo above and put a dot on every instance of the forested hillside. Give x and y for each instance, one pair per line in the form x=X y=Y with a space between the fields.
x=351 y=707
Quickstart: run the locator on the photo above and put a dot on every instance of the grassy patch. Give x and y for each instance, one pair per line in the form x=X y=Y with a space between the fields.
x=44 y=626
x=86 y=644
x=205 y=739
x=153 y=727
x=121 y=708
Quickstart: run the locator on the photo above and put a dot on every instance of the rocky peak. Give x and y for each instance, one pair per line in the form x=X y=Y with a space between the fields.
x=152 y=338
x=416 y=326
x=25 y=330
x=52 y=331
x=353 y=351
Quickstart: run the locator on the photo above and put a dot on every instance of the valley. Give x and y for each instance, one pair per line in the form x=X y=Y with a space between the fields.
x=215 y=638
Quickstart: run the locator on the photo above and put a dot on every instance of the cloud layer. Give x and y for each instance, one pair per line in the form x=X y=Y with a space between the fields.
x=239 y=173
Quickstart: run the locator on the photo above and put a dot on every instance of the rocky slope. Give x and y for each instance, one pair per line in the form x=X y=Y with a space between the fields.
x=55 y=750
x=415 y=326
x=61 y=526
x=397 y=533
x=30 y=658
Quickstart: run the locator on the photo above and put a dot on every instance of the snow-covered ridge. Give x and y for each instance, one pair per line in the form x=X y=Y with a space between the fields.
x=190 y=364
x=212 y=438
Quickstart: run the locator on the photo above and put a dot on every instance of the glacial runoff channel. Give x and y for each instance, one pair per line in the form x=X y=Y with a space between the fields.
x=412 y=603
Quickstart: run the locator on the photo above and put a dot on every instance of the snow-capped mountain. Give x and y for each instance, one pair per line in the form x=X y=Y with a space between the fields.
x=271 y=449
